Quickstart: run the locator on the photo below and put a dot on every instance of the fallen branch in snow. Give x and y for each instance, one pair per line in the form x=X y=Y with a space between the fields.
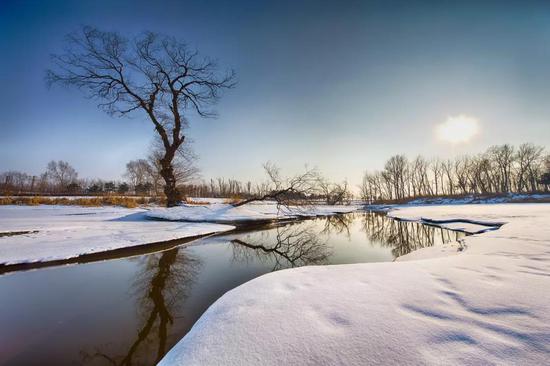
x=297 y=191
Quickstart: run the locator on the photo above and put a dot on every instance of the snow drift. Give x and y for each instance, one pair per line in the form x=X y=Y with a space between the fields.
x=488 y=304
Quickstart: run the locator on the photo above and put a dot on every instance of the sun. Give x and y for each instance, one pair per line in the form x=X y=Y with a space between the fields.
x=458 y=129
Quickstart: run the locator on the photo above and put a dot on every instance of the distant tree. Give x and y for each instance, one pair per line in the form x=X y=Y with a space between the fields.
x=61 y=173
x=73 y=188
x=500 y=169
x=529 y=159
x=109 y=187
x=545 y=177
x=138 y=171
x=123 y=188
x=504 y=157
x=396 y=171
x=545 y=180
x=95 y=188
x=334 y=193
x=144 y=188
x=15 y=181
x=155 y=74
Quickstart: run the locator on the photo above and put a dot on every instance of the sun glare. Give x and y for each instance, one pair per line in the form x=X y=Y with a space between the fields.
x=458 y=129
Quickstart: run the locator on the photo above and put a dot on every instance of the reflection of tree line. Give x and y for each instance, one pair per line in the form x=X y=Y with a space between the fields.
x=304 y=244
x=338 y=224
x=165 y=279
x=163 y=282
x=404 y=236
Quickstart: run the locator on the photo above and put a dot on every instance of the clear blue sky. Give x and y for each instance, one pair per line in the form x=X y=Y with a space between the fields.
x=340 y=85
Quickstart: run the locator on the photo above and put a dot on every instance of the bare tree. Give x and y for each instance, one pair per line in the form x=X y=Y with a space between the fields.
x=297 y=190
x=184 y=165
x=62 y=173
x=138 y=172
x=436 y=167
x=449 y=175
x=500 y=169
x=335 y=193
x=15 y=181
x=396 y=171
x=420 y=182
x=148 y=171
x=157 y=75
x=503 y=156
x=529 y=158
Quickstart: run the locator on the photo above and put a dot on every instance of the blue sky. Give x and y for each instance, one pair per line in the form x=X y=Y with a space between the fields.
x=341 y=85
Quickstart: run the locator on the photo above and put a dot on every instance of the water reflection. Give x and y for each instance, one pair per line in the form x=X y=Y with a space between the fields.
x=338 y=225
x=160 y=286
x=290 y=246
x=131 y=311
x=404 y=237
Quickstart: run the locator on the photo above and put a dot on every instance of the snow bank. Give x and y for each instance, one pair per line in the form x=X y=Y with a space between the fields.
x=506 y=198
x=65 y=232
x=256 y=211
x=488 y=304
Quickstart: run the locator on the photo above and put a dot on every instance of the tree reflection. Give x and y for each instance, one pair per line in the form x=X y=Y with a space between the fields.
x=338 y=224
x=287 y=246
x=163 y=283
x=404 y=236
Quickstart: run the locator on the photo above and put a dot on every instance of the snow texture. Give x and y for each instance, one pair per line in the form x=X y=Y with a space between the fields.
x=257 y=211
x=488 y=304
x=507 y=198
x=64 y=232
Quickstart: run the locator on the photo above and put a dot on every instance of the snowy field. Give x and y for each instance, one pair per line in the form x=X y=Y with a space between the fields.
x=471 y=199
x=255 y=211
x=488 y=304
x=64 y=232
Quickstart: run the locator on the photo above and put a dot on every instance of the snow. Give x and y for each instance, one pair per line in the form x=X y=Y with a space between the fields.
x=487 y=304
x=506 y=198
x=256 y=211
x=65 y=232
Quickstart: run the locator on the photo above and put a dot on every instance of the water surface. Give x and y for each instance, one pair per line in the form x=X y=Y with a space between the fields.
x=131 y=311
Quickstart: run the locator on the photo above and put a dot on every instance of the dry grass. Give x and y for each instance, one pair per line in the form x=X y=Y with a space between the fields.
x=129 y=202
x=190 y=201
x=232 y=200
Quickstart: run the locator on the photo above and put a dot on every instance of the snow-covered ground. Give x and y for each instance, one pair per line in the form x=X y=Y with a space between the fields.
x=488 y=304
x=255 y=211
x=505 y=198
x=64 y=232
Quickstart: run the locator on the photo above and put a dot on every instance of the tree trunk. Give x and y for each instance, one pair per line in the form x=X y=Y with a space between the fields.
x=173 y=196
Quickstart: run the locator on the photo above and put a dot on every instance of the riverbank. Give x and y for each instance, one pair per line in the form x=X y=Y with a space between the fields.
x=485 y=304
x=34 y=235
x=261 y=211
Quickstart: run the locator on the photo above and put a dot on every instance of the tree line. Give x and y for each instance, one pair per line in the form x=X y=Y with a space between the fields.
x=500 y=169
x=143 y=178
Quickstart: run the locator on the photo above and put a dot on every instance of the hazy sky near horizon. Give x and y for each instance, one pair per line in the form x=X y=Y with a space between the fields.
x=341 y=85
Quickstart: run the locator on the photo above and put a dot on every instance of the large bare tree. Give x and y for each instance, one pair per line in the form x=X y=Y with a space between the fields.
x=157 y=75
x=61 y=173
